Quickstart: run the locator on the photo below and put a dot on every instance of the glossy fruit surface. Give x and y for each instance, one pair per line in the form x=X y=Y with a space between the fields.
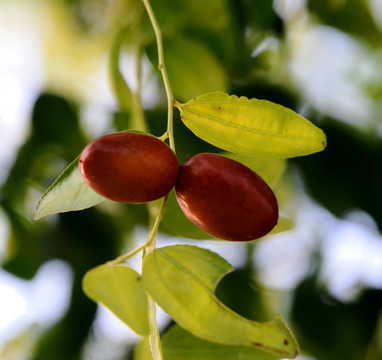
x=129 y=167
x=225 y=198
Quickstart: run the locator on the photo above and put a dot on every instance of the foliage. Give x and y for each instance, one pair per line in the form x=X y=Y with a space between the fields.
x=251 y=127
x=229 y=102
x=181 y=279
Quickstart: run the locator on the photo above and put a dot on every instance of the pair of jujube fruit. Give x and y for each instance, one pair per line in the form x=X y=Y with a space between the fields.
x=219 y=195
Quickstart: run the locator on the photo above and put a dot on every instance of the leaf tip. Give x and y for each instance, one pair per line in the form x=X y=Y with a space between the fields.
x=37 y=212
x=36 y=216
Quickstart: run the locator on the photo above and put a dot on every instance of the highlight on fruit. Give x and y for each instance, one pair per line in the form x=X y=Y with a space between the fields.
x=129 y=167
x=225 y=198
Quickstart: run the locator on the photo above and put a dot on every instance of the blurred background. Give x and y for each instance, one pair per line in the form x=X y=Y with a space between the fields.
x=322 y=58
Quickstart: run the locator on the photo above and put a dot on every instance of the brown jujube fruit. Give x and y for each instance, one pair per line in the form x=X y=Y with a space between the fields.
x=129 y=167
x=225 y=198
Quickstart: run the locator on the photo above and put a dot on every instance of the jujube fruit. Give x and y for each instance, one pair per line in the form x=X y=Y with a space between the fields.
x=129 y=167
x=225 y=198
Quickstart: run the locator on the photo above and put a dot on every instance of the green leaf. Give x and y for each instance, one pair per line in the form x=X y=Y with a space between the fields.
x=283 y=224
x=270 y=169
x=182 y=280
x=142 y=350
x=178 y=344
x=118 y=83
x=119 y=288
x=251 y=127
x=68 y=192
x=192 y=68
x=213 y=14
x=174 y=15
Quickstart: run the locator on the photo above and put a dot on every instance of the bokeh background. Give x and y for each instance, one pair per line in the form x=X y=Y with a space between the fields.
x=322 y=58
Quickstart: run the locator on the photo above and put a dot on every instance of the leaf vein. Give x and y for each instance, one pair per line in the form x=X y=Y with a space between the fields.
x=248 y=129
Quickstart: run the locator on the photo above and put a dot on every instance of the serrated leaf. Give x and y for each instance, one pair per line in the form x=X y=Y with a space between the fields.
x=182 y=280
x=68 y=192
x=251 y=127
x=119 y=288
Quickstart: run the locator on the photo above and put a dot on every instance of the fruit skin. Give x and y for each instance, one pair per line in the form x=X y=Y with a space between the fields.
x=129 y=167
x=225 y=198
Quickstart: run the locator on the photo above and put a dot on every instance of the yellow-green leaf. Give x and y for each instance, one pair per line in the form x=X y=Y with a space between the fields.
x=270 y=169
x=142 y=350
x=119 y=288
x=182 y=280
x=283 y=224
x=178 y=344
x=68 y=192
x=251 y=127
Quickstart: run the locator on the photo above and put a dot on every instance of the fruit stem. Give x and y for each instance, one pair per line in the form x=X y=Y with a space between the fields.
x=126 y=256
x=164 y=136
x=162 y=68
x=151 y=237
